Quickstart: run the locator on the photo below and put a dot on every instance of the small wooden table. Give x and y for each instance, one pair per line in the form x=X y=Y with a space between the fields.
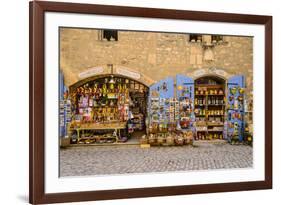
x=116 y=126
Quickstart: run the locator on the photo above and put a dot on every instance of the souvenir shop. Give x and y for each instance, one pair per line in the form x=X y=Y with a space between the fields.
x=114 y=109
x=207 y=108
x=105 y=109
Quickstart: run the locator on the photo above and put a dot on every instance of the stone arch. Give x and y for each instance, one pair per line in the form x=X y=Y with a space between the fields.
x=118 y=71
x=211 y=75
x=216 y=72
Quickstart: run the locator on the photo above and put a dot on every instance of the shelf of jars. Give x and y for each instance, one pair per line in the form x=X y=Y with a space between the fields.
x=209 y=111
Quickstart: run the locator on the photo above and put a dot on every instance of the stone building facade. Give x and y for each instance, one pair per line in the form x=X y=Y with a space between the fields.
x=154 y=55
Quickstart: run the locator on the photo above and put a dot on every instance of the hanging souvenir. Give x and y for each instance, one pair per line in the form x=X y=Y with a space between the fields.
x=240 y=98
x=104 y=88
x=241 y=90
x=236 y=104
x=233 y=90
x=111 y=103
x=111 y=87
x=90 y=102
x=119 y=86
x=95 y=89
x=180 y=87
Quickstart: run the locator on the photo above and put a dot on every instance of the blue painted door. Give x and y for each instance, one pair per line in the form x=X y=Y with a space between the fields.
x=163 y=88
x=160 y=96
x=235 y=108
x=62 y=120
x=185 y=96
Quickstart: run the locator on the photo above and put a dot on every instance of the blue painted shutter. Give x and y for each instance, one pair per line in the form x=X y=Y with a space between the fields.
x=187 y=84
x=185 y=91
x=160 y=94
x=62 y=123
x=235 y=108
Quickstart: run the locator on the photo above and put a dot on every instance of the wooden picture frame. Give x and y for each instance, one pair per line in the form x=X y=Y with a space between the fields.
x=37 y=9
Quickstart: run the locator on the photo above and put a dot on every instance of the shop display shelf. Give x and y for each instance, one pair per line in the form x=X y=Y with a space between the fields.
x=232 y=109
x=215 y=124
x=97 y=137
x=215 y=114
x=209 y=86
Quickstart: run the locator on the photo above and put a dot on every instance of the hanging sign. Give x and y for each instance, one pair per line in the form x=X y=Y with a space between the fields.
x=128 y=73
x=90 y=72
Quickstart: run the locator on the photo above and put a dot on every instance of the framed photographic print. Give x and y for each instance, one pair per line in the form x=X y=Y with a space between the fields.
x=132 y=102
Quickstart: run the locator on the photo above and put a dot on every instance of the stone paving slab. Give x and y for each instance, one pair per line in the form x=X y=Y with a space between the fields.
x=124 y=159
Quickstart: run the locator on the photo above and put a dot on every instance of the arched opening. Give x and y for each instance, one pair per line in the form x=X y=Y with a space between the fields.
x=95 y=77
x=108 y=109
x=210 y=79
x=209 y=107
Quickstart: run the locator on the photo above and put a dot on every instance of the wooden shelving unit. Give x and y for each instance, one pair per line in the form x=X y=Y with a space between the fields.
x=209 y=108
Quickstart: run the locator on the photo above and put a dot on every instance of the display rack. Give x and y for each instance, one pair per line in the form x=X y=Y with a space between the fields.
x=98 y=133
x=235 y=109
x=209 y=109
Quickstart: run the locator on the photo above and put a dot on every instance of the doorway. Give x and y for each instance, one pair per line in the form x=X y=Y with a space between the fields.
x=108 y=109
x=209 y=107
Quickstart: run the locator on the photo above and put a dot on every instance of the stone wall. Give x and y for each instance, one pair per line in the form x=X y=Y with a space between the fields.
x=156 y=55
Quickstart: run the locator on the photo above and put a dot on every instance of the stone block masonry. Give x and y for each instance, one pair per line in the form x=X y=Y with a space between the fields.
x=157 y=55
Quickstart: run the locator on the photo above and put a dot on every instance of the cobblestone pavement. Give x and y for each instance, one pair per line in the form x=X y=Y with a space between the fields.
x=103 y=160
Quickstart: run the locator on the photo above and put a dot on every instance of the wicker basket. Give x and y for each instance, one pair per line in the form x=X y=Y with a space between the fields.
x=151 y=139
x=179 y=140
x=188 y=137
x=160 y=140
x=170 y=140
x=143 y=140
